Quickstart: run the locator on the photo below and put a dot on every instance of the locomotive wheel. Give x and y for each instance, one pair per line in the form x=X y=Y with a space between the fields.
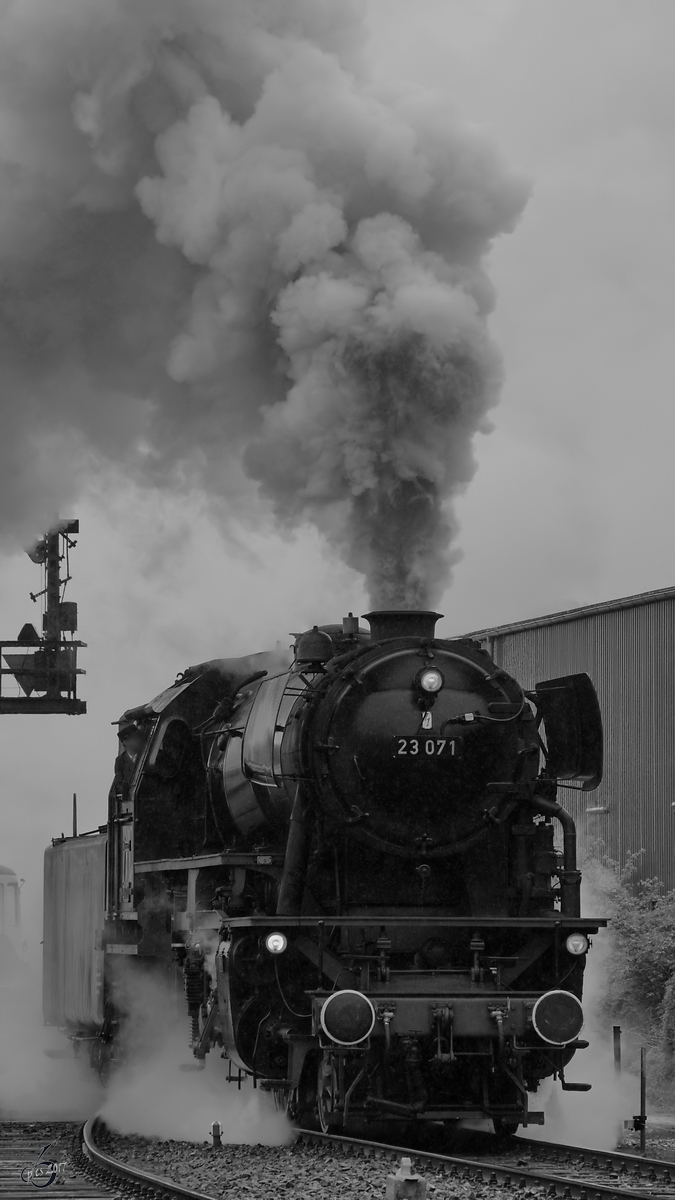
x=327 y=1094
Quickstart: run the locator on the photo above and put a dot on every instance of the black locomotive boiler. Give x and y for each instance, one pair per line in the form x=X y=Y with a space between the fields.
x=359 y=865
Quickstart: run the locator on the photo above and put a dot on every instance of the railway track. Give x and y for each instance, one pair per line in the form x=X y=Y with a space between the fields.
x=42 y=1155
x=121 y=1178
x=647 y=1172
x=626 y=1173
x=566 y=1171
x=38 y=1155
x=570 y=1171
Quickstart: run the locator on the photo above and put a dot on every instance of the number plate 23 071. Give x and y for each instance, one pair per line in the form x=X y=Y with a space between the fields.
x=426 y=747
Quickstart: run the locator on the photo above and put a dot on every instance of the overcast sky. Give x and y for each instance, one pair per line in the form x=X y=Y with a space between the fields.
x=573 y=498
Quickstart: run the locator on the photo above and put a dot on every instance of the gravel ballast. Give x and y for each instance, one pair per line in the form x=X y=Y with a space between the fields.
x=296 y=1172
x=660 y=1139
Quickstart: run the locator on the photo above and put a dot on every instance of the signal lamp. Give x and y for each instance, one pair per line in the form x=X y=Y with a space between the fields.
x=430 y=681
x=276 y=943
x=577 y=943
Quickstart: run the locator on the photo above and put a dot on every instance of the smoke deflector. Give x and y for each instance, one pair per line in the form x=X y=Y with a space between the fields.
x=569 y=706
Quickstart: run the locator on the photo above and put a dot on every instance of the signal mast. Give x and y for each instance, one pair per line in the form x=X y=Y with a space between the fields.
x=45 y=666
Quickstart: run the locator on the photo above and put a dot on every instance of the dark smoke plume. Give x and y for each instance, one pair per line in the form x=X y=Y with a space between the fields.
x=229 y=261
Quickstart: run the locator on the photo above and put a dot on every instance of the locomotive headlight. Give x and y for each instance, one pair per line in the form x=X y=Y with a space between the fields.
x=430 y=681
x=558 y=1017
x=276 y=943
x=577 y=943
x=347 y=1017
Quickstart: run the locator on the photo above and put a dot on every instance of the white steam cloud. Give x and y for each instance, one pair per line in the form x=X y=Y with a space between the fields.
x=222 y=248
x=593 y=1119
x=168 y=1098
x=160 y=1092
x=40 y=1078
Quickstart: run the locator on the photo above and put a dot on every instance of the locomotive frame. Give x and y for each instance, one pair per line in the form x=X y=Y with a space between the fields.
x=367 y=938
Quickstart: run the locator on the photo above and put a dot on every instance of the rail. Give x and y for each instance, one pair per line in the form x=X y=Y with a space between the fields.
x=499 y=1172
x=101 y=1166
x=641 y=1176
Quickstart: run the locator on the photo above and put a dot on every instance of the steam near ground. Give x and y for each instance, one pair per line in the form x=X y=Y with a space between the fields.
x=154 y=1096
x=592 y=1118
x=166 y=1096
x=40 y=1079
x=162 y=1092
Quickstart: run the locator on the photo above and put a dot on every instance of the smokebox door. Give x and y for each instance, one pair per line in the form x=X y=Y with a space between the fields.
x=571 y=713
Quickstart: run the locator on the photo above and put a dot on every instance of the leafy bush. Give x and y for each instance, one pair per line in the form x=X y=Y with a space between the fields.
x=639 y=985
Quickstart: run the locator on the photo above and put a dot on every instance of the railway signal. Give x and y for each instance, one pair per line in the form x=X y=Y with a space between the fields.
x=45 y=665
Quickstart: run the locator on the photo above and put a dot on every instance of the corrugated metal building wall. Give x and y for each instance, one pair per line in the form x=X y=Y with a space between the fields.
x=628 y=649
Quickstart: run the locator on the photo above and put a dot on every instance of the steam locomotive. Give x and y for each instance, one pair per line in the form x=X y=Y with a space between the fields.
x=353 y=862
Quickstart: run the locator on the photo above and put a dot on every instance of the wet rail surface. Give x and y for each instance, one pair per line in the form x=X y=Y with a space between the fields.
x=519 y=1164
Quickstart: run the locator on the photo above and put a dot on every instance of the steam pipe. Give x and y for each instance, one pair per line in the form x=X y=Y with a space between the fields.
x=292 y=886
x=570 y=882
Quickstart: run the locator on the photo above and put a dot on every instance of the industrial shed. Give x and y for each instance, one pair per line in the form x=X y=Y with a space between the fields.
x=628 y=648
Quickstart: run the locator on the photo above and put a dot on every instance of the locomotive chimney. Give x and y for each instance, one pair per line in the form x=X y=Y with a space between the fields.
x=396 y=623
